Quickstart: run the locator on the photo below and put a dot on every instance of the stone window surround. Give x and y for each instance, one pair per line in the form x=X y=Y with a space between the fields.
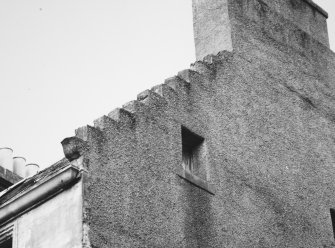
x=195 y=180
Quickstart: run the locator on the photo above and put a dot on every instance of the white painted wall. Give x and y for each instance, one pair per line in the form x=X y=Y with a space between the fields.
x=55 y=224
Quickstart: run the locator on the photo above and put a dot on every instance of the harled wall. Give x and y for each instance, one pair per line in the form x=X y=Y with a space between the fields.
x=267 y=114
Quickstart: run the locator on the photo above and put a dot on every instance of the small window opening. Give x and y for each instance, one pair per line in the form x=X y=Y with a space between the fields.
x=332 y=215
x=6 y=237
x=191 y=143
x=194 y=160
x=8 y=243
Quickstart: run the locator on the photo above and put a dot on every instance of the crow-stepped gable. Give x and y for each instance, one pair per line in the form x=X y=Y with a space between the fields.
x=236 y=151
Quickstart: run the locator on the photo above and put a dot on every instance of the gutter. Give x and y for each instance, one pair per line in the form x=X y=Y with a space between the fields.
x=40 y=193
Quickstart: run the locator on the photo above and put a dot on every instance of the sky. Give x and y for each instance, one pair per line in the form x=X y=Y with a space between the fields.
x=65 y=63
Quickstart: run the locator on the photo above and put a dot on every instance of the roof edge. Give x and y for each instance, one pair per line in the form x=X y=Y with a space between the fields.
x=317 y=7
x=42 y=191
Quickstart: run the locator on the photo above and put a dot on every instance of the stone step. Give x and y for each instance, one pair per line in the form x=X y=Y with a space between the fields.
x=123 y=117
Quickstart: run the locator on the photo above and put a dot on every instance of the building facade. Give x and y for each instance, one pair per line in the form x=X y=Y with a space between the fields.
x=237 y=151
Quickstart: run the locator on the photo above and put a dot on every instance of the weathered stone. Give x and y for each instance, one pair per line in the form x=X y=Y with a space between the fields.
x=74 y=147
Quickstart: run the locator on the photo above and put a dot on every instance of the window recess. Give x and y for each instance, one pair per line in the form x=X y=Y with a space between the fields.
x=194 y=163
x=191 y=145
x=332 y=216
x=6 y=237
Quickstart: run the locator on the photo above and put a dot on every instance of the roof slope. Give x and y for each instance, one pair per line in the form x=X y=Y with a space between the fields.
x=28 y=183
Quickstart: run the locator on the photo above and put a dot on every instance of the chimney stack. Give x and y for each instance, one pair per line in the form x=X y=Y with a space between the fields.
x=12 y=170
x=16 y=165
x=232 y=24
x=7 y=176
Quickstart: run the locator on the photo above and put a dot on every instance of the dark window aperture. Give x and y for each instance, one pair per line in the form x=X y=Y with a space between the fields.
x=6 y=237
x=8 y=243
x=190 y=143
x=332 y=215
x=194 y=160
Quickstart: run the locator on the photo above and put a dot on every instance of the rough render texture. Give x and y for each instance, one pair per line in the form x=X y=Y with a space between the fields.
x=303 y=13
x=294 y=25
x=267 y=114
x=212 y=30
x=219 y=23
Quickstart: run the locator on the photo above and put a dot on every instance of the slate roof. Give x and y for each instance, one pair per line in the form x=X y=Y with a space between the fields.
x=27 y=183
x=7 y=178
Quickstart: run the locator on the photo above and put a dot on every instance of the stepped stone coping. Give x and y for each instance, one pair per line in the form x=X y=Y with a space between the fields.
x=104 y=122
x=147 y=101
x=122 y=116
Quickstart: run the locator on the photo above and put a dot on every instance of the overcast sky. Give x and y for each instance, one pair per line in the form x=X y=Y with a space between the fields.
x=65 y=63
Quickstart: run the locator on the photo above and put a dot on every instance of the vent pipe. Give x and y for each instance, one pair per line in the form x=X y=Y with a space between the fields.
x=31 y=169
x=6 y=158
x=19 y=166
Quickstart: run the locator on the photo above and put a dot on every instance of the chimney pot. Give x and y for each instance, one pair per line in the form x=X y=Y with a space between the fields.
x=19 y=166
x=6 y=158
x=31 y=169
